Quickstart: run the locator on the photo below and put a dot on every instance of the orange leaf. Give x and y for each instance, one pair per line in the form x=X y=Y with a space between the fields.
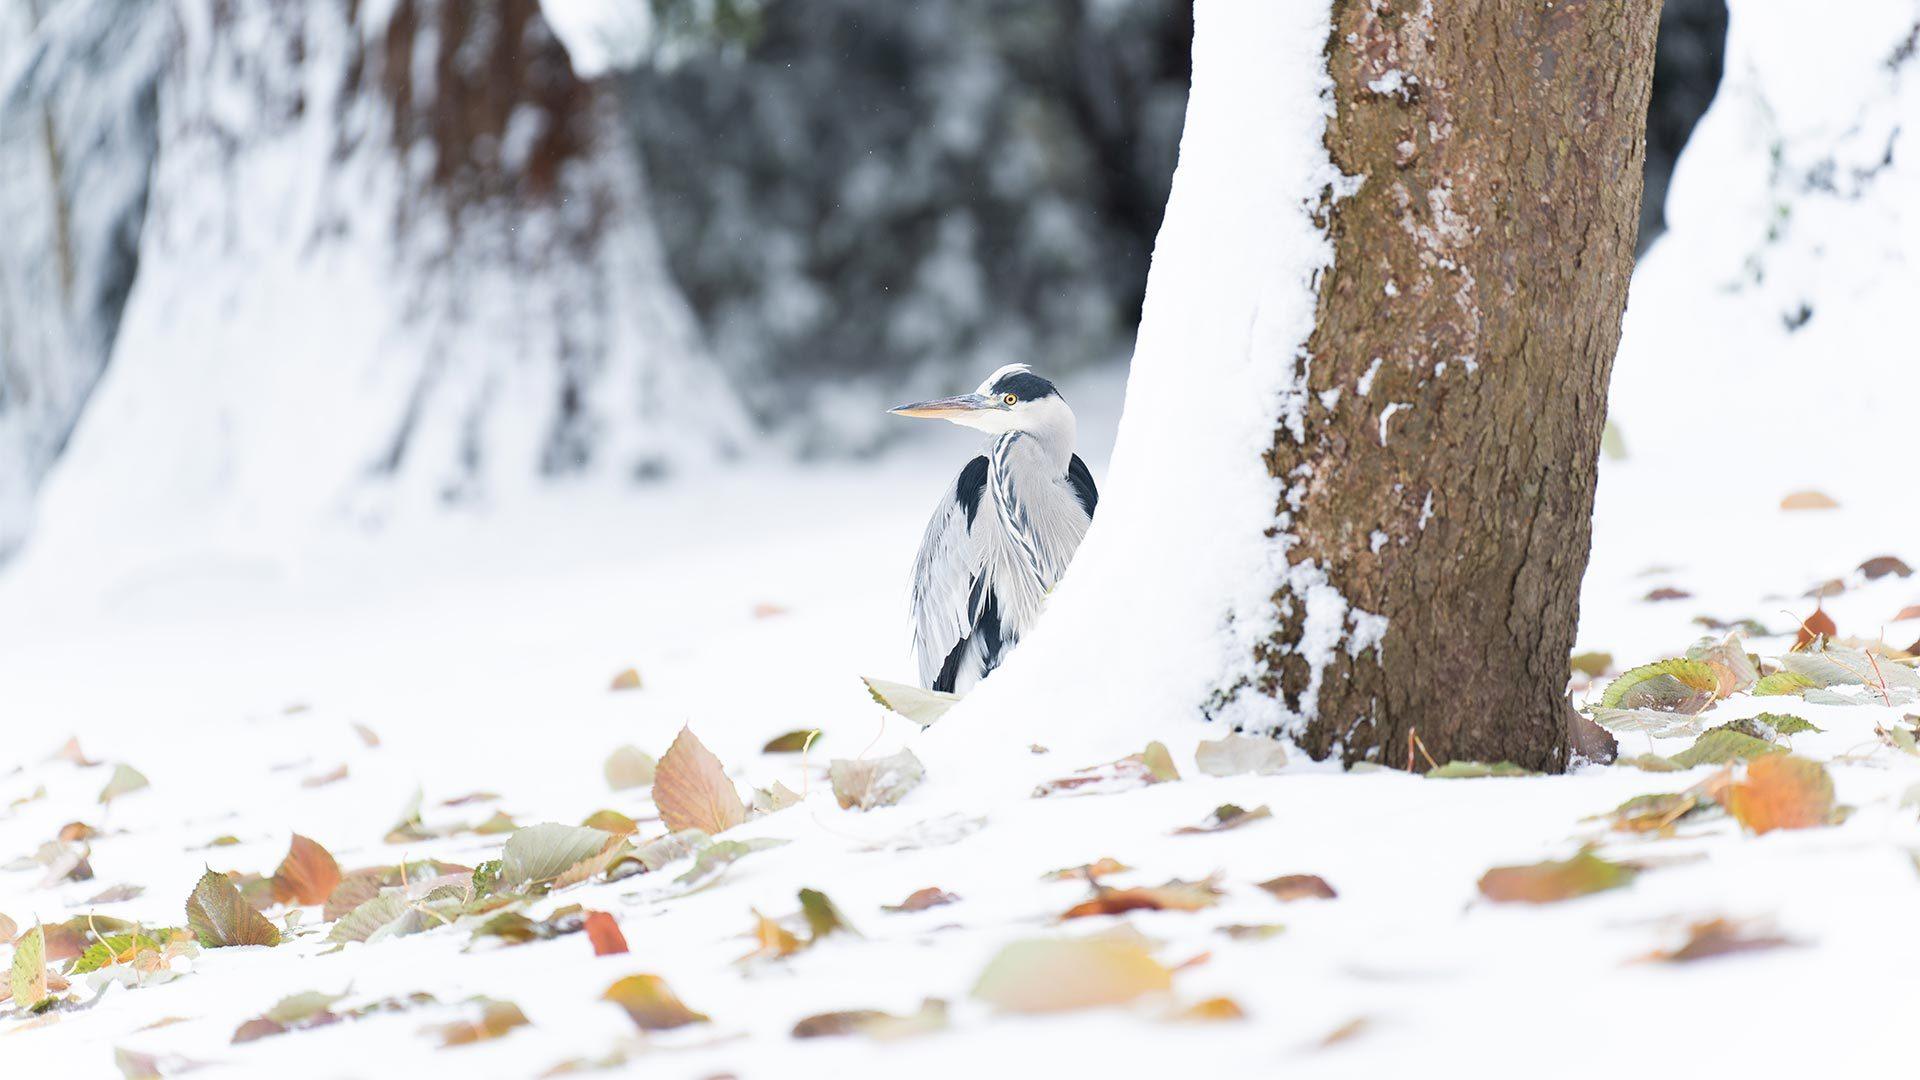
x=604 y=931
x=1818 y=624
x=308 y=875
x=691 y=789
x=1782 y=791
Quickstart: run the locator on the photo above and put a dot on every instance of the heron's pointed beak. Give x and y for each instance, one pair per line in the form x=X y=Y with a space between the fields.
x=946 y=408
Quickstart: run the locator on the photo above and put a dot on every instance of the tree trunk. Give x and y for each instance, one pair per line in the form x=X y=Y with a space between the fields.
x=1439 y=482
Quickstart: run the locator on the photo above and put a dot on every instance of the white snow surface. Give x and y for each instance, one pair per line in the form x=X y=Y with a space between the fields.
x=479 y=646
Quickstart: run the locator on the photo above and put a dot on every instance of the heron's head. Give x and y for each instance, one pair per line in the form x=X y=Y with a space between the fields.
x=1011 y=399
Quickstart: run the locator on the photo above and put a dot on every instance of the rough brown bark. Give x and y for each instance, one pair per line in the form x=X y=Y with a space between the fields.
x=1479 y=278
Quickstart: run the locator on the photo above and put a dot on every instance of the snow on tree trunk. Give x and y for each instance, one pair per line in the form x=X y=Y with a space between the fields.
x=1440 y=477
x=77 y=140
x=395 y=252
x=1351 y=490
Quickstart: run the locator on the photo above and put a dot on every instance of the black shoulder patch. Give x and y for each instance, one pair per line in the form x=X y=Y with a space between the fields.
x=1024 y=385
x=973 y=482
x=1082 y=482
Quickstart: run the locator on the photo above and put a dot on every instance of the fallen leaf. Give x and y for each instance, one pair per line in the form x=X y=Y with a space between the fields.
x=1654 y=813
x=29 y=973
x=1676 y=686
x=220 y=917
x=767 y=611
x=71 y=753
x=823 y=919
x=515 y=928
x=1212 y=1009
x=1475 y=770
x=335 y=776
x=921 y=900
x=612 y=822
x=308 y=875
x=1153 y=765
x=541 y=853
x=603 y=930
x=1782 y=791
x=1782 y=684
x=662 y=850
x=868 y=785
x=1238 y=754
x=921 y=706
x=1175 y=895
x=389 y=912
x=1548 y=882
x=470 y=798
x=651 y=1004
x=1911 y=611
x=626 y=680
x=8 y=929
x=1667 y=592
x=1735 y=670
x=125 y=780
x=692 y=790
x=367 y=735
x=714 y=858
x=1252 y=931
x=1224 y=817
x=1815 y=627
x=1827 y=589
x=1091 y=871
x=874 y=1023
x=777 y=797
x=1882 y=565
x=1289 y=887
x=1346 y=1032
x=630 y=767
x=1721 y=745
x=1787 y=724
x=793 y=742
x=1057 y=974
x=771 y=940
x=1808 y=500
x=1592 y=664
x=497 y=1018
x=1718 y=937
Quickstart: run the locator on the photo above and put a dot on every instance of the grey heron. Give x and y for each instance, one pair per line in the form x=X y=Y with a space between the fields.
x=1003 y=532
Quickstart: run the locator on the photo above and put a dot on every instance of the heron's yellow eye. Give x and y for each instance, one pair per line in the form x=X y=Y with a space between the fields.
x=1011 y=398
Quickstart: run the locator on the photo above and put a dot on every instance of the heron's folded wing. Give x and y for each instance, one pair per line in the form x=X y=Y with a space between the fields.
x=944 y=572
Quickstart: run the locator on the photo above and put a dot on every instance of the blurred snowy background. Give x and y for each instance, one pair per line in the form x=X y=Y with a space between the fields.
x=270 y=267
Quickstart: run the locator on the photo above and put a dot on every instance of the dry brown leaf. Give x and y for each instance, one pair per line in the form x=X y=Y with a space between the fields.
x=1882 y=565
x=691 y=788
x=1153 y=765
x=1911 y=611
x=1782 y=791
x=75 y=831
x=1718 y=937
x=1808 y=500
x=1175 y=895
x=308 y=875
x=1667 y=592
x=875 y=782
x=603 y=930
x=626 y=680
x=921 y=900
x=1817 y=625
x=651 y=1004
x=874 y=1023
x=1299 y=887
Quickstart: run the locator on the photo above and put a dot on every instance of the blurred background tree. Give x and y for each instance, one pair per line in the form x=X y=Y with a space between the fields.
x=799 y=206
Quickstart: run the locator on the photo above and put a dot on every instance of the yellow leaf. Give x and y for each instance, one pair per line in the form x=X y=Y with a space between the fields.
x=1057 y=974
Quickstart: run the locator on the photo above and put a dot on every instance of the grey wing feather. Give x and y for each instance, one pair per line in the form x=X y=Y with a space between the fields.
x=943 y=573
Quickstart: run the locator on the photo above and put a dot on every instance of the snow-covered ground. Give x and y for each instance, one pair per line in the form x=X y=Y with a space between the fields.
x=231 y=670
x=480 y=651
